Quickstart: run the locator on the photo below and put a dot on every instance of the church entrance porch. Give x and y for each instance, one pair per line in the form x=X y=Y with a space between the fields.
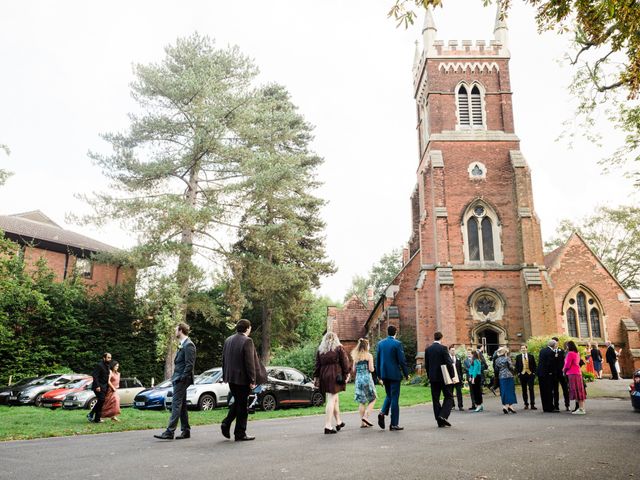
x=490 y=336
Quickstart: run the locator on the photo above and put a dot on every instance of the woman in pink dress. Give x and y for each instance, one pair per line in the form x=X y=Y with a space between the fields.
x=111 y=407
x=573 y=373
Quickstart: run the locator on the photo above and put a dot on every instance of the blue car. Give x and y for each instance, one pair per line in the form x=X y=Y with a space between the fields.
x=152 y=397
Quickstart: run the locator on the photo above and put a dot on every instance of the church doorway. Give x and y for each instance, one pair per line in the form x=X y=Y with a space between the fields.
x=489 y=339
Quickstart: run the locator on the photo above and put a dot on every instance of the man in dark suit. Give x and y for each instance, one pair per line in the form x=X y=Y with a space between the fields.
x=391 y=366
x=611 y=356
x=435 y=357
x=560 y=381
x=546 y=374
x=239 y=371
x=457 y=386
x=525 y=369
x=100 y=386
x=181 y=379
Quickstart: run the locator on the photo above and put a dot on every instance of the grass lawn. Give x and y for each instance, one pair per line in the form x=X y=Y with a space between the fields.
x=22 y=423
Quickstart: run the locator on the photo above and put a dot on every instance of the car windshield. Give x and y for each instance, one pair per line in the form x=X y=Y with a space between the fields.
x=77 y=383
x=25 y=381
x=208 y=377
x=48 y=380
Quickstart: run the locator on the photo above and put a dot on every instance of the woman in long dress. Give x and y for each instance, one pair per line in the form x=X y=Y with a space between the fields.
x=331 y=375
x=111 y=407
x=365 y=389
x=573 y=373
x=505 y=370
x=589 y=362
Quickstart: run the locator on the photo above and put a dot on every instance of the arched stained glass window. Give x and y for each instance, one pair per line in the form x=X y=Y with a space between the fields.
x=583 y=322
x=487 y=239
x=473 y=240
x=572 y=327
x=481 y=234
x=595 y=323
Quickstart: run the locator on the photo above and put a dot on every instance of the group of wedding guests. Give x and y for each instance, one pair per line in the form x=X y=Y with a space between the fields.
x=106 y=381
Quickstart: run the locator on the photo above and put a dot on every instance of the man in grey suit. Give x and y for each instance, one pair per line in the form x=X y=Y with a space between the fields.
x=239 y=371
x=181 y=379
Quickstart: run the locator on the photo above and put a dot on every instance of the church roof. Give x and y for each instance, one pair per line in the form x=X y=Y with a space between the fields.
x=551 y=257
x=37 y=228
x=348 y=322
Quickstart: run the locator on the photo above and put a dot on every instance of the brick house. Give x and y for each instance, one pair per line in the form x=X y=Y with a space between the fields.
x=349 y=321
x=474 y=267
x=66 y=252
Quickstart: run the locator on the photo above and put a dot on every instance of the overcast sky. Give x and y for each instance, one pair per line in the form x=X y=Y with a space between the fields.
x=66 y=66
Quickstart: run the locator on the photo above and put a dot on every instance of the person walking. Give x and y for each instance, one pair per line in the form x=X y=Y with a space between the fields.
x=546 y=375
x=365 y=389
x=242 y=370
x=475 y=381
x=331 y=375
x=504 y=372
x=577 y=391
x=182 y=377
x=458 y=366
x=596 y=358
x=100 y=386
x=111 y=407
x=391 y=366
x=525 y=369
x=441 y=372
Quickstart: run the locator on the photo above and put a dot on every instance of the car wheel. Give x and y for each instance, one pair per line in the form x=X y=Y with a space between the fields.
x=38 y=401
x=317 y=399
x=90 y=404
x=268 y=403
x=207 y=402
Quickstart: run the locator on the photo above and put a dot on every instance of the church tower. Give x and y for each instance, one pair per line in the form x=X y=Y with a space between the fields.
x=476 y=249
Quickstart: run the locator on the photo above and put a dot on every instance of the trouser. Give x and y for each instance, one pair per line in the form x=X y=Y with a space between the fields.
x=96 y=411
x=614 y=371
x=179 y=409
x=391 y=401
x=527 y=381
x=546 y=392
x=458 y=389
x=443 y=410
x=560 y=381
x=476 y=391
x=238 y=411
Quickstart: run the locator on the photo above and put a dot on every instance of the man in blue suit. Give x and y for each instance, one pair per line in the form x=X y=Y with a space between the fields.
x=391 y=366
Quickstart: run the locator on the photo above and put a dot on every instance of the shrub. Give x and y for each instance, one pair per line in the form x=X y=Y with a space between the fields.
x=535 y=344
x=302 y=357
x=588 y=376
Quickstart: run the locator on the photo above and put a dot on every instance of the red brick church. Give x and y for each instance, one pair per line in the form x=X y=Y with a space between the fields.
x=474 y=267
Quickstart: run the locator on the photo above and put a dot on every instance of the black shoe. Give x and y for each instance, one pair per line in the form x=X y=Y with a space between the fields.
x=533 y=407
x=567 y=408
x=165 y=436
x=395 y=428
x=512 y=410
x=246 y=438
x=526 y=407
x=505 y=411
x=183 y=435
x=328 y=431
x=226 y=433
x=461 y=409
x=338 y=427
x=381 y=420
x=556 y=409
x=472 y=407
x=444 y=421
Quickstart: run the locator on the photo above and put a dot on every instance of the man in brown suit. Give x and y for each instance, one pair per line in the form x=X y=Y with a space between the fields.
x=239 y=371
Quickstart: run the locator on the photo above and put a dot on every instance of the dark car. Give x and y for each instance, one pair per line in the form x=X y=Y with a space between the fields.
x=152 y=397
x=32 y=393
x=5 y=391
x=285 y=387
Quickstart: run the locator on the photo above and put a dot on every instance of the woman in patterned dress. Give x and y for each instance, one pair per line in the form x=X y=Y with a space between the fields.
x=365 y=389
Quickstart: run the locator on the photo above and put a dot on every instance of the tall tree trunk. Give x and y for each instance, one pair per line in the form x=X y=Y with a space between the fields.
x=265 y=348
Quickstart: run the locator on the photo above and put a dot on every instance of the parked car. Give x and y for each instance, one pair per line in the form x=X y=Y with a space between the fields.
x=153 y=397
x=207 y=392
x=285 y=387
x=634 y=391
x=5 y=391
x=53 y=399
x=32 y=394
x=129 y=388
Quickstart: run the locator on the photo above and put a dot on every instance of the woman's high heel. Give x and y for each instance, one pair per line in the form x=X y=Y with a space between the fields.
x=512 y=410
x=367 y=422
x=329 y=430
x=505 y=411
x=338 y=427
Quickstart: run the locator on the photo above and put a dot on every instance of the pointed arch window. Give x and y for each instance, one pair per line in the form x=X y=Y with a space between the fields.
x=583 y=313
x=463 y=106
x=481 y=234
x=476 y=107
x=470 y=106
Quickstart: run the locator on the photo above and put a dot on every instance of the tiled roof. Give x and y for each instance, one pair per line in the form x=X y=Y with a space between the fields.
x=348 y=322
x=37 y=226
x=551 y=257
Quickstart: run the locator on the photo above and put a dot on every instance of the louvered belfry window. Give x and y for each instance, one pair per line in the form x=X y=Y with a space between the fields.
x=476 y=107
x=463 y=106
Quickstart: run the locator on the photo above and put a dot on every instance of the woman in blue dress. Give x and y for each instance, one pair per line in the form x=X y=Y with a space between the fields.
x=505 y=371
x=365 y=393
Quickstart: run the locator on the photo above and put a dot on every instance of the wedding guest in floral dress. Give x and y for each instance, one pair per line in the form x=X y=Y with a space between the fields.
x=365 y=389
x=111 y=407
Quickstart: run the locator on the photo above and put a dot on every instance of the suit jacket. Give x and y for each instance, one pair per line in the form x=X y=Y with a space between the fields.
x=238 y=360
x=559 y=362
x=434 y=357
x=546 y=362
x=390 y=361
x=520 y=364
x=611 y=354
x=184 y=363
x=101 y=377
x=596 y=355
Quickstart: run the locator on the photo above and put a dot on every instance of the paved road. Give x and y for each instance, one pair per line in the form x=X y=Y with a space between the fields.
x=488 y=445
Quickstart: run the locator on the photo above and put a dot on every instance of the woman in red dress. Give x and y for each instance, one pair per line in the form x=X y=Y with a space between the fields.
x=589 y=367
x=111 y=407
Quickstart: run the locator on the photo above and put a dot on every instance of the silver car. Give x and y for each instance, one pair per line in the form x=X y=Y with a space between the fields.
x=129 y=388
x=31 y=394
x=207 y=392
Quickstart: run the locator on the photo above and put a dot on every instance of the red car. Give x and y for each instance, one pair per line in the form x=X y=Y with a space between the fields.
x=53 y=399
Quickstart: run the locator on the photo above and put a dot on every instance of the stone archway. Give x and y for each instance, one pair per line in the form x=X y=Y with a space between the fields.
x=493 y=334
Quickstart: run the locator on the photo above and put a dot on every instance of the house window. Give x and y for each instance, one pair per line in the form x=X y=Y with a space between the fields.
x=470 y=106
x=583 y=314
x=84 y=268
x=481 y=234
